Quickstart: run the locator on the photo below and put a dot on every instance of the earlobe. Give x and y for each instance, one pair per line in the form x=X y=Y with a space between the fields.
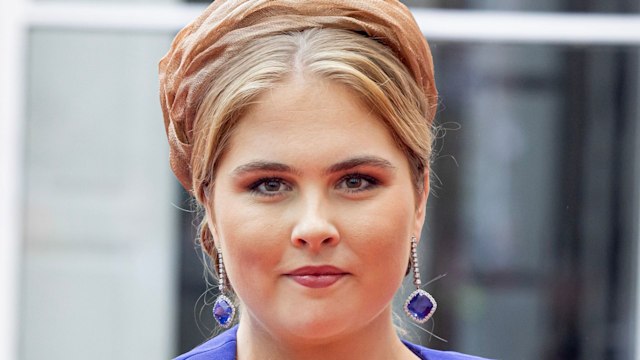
x=212 y=229
x=211 y=243
x=421 y=208
x=207 y=239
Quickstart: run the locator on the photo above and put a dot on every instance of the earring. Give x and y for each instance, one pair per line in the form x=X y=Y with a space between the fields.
x=223 y=308
x=420 y=305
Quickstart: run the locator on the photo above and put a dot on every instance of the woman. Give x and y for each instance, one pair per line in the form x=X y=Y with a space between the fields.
x=304 y=130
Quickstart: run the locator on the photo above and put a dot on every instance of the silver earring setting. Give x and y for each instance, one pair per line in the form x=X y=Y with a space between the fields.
x=223 y=308
x=420 y=305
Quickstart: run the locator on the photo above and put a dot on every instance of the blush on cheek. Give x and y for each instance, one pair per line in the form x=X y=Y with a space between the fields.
x=250 y=250
x=246 y=270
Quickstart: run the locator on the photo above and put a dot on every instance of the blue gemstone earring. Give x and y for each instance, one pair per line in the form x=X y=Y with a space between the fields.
x=420 y=305
x=223 y=308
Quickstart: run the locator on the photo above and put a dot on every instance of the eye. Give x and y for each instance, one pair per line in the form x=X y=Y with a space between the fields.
x=357 y=182
x=269 y=186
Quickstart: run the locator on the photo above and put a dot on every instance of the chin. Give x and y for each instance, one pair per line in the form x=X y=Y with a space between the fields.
x=317 y=329
x=323 y=329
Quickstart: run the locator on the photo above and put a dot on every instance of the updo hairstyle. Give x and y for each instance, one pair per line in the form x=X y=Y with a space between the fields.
x=367 y=67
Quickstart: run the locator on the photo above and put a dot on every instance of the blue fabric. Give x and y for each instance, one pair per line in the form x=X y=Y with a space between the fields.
x=223 y=347
x=429 y=354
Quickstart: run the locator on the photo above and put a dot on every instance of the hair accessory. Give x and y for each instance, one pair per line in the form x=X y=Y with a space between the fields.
x=420 y=305
x=223 y=308
x=204 y=47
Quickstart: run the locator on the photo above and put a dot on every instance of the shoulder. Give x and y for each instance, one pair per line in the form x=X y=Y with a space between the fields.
x=221 y=347
x=429 y=354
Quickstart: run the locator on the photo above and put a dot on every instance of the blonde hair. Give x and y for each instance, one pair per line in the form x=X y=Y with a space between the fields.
x=370 y=69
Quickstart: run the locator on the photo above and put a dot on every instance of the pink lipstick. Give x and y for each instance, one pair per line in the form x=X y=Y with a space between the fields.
x=316 y=277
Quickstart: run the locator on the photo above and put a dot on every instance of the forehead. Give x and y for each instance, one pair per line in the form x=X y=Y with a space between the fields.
x=313 y=119
x=303 y=98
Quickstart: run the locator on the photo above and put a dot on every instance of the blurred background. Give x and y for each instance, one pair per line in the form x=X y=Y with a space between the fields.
x=534 y=214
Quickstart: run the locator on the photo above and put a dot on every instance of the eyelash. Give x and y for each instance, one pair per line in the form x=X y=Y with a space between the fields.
x=254 y=187
x=372 y=182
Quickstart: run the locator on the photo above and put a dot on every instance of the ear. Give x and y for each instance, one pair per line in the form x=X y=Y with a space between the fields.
x=212 y=244
x=421 y=206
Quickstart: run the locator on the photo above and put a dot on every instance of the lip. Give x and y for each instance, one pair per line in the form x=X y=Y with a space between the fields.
x=317 y=277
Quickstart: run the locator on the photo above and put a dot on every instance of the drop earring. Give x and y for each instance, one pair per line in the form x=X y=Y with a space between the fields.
x=420 y=305
x=223 y=308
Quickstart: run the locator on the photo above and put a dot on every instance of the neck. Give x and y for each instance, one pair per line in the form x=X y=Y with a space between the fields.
x=372 y=341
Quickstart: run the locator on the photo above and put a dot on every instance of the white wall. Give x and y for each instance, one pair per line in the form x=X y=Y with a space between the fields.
x=11 y=49
x=100 y=238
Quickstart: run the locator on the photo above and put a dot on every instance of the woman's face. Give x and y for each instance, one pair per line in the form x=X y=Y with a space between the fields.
x=313 y=208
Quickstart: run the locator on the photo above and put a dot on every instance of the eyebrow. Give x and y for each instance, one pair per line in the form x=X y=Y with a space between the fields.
x=345 y=165
x=355 y=162
x=263 y=166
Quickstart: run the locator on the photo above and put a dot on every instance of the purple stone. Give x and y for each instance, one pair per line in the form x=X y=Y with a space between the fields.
x=222 y=311
x=420 y=306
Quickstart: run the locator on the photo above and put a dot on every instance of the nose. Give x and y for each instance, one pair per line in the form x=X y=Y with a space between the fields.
x=314 y=229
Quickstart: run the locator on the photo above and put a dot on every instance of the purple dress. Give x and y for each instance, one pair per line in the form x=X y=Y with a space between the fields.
x=223 y=347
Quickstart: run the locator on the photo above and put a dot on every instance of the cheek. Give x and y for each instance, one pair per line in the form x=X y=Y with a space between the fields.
x=250 y=238
x=382 y=231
